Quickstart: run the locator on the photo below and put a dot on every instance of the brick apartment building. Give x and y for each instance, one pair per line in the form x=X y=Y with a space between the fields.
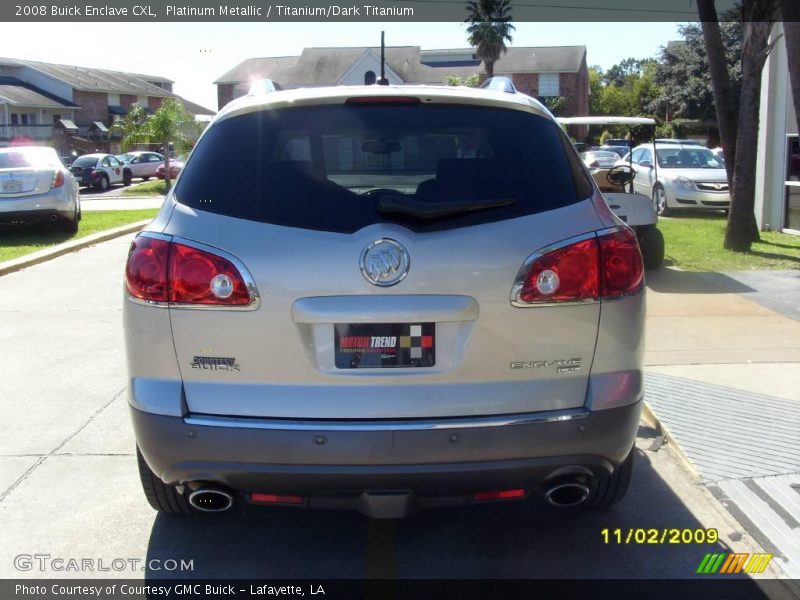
x=546 y=72
x=38 y=100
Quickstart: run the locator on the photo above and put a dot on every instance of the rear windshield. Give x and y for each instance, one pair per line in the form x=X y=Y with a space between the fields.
x=85 y=161
x=36 y=158
x=333 y=168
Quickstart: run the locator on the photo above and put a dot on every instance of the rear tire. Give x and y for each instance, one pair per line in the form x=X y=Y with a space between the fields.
x=162 y=497
x=71 y=225
x=102 y=185
x=651 y=241
x=610 y=490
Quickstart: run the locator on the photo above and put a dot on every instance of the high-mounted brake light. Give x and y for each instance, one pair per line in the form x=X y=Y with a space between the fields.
x=592 y=268
x=362 y=100
x=170 y=272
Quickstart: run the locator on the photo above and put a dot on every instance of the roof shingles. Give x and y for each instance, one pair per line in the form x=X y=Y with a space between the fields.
x=326 y=66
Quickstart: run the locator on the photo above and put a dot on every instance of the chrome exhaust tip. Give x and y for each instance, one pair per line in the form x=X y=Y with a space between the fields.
x=566 y=495
x=211 y=499
x=53 y=218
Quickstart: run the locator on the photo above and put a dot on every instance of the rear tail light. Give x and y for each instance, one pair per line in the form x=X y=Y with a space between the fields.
x=620 y=263
x=498 y=495
x=597 y=267
x=58 y=180
x=163 y=271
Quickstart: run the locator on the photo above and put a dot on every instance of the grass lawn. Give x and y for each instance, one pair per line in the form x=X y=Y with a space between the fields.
x=156 y=187
x=15 y=242
x=694 y=243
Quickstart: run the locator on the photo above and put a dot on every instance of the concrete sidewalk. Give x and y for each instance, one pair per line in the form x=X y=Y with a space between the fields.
x=722 y=364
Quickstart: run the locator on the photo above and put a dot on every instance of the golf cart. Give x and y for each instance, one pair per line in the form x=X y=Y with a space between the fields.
x=633 y=208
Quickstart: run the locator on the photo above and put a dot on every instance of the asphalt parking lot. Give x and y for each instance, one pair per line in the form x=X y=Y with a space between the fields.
x=69 y=486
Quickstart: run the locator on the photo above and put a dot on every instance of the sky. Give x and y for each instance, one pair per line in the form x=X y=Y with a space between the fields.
x=195 y=54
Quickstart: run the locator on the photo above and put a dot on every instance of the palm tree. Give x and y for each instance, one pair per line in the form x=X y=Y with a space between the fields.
x=489 y=29
x=171 y=126
x=131 y=126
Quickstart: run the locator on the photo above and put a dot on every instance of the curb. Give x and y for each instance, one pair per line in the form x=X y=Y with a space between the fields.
x=649 y=417
x=41 y=256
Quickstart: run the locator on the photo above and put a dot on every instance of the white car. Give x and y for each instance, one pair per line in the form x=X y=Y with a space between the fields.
x=685 y=176
x=599 y=159
x=142 y=164
x=100 y=171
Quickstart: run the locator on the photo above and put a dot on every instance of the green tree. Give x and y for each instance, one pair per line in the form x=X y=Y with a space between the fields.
x=171 y=126
x=489 y=28
x=455 y=80
x=131 y=126
x=740 y=135
x=554 y=103
x=684 y=74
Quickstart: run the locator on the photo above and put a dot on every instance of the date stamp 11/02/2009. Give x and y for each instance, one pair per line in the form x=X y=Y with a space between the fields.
x=654 y=535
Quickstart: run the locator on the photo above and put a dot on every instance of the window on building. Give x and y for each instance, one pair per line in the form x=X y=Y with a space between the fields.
x=113 y=100
x=792 y=183
x=548 y=84
x=369 y=78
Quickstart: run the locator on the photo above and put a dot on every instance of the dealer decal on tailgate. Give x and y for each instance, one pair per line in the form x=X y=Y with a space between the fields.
x=382 y=345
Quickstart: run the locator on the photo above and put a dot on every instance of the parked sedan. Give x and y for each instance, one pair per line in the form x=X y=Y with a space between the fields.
x=599 y=159
x=175 y=167
x=100 y=171
x=686 y=176
x=35 y=186
x=142 y=164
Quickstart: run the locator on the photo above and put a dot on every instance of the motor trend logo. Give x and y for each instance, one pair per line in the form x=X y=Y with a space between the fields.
x=364 y=342
x=414 y=342
x=732 y=563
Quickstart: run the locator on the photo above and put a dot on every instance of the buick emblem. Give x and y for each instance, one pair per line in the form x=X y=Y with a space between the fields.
x=384 y=262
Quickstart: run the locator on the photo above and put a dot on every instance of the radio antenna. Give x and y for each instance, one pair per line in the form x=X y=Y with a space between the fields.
x=383 y=80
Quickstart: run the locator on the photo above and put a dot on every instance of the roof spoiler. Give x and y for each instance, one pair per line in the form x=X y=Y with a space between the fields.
x=263 y=86
x=499 y=84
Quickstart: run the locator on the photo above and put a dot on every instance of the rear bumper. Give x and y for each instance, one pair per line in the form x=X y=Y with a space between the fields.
x=311 y=458
x=30 y=209
x=29 y=217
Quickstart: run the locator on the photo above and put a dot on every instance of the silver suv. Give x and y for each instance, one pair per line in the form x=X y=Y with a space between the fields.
x=384 y=299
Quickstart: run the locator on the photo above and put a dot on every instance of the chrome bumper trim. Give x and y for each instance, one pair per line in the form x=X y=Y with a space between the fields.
x=388 y=425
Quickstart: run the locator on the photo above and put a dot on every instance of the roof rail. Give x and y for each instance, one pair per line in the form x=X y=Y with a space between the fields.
x=499 y=84
x=262 y=86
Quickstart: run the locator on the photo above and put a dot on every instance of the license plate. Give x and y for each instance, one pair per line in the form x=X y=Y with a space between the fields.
x=11 y=187
x=384 y=345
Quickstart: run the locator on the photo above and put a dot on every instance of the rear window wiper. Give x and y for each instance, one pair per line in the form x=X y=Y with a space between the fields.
x=404 y=205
